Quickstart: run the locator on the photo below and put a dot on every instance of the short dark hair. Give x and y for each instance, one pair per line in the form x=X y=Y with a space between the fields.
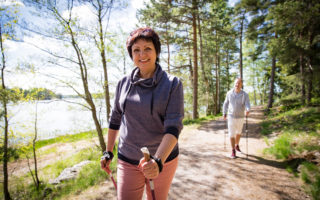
x=147 y=34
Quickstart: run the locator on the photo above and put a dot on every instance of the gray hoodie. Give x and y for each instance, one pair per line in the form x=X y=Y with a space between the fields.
x=236 y=103
x=145 y=110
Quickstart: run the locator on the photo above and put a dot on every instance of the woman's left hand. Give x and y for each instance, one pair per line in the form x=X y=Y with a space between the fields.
x=150 y=169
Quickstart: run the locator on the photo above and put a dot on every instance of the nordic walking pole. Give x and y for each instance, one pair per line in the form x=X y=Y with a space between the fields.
x=225 y=133
x=114 y=182
x=146 y=155
x=247 y=134
x=107 y=157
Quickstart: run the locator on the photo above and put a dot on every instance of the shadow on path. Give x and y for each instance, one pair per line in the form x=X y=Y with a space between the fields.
x=206 y=171
x=263 y=161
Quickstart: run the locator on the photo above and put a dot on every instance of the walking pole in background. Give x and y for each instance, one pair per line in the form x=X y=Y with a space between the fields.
x=146 y=155
x=247 y=134
x=225 y=133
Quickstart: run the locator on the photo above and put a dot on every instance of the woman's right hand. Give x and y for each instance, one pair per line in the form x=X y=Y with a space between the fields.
x=106 y=160
x=105 y=165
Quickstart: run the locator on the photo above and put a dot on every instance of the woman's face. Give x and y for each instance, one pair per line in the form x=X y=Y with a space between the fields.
x=144 y=55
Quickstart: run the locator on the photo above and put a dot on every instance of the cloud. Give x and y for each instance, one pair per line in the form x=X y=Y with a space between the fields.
x=137 y=4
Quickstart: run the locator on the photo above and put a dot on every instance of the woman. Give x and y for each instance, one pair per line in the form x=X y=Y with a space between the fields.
x=148 y=111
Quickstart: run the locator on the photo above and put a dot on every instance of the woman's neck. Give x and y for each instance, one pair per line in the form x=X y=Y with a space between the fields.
x=147 y=73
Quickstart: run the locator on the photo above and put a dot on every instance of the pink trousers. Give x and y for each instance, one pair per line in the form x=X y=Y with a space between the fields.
x=131 y=181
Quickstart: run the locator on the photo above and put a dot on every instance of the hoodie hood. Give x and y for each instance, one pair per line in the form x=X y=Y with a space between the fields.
x=135 y=78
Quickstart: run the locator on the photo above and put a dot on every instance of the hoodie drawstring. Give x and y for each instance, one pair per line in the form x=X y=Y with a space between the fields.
x=151 y=106
x=125 y=100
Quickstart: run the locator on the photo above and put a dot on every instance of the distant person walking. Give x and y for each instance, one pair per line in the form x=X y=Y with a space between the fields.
x=147 y=112
x=236 y=106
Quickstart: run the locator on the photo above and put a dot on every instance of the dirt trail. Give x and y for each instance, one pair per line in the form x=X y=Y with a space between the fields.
x=205 y=170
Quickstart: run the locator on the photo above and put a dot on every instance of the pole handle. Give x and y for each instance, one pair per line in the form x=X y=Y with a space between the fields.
x=146 y=153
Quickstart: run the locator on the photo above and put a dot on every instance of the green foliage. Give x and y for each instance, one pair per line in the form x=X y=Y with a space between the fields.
x=12 y=153
x=39 y=94
x=266 y=130
x=173 y=21
x=200 y=120
x=9 y=95
x=90 y=175
x=280 y=120
x=315 y=101
x=299 y=134
x=289 y=102
x=281 y=148
x=20 y=151
x=68 y=138
x=310 y=174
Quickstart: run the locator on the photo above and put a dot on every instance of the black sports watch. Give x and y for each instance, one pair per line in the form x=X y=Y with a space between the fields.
x=159 y=163
x=107 y=155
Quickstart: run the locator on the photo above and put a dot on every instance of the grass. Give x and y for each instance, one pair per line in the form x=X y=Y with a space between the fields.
x=21 y=151
x=23 y=188
x=67 y=138
x=310 y=174
x=297 y=131
x=200 y=120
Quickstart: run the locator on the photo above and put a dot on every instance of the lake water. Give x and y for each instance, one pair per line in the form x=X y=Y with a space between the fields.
x=54 y=118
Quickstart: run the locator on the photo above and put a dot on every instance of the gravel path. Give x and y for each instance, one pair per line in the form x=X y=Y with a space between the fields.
x=206 y=171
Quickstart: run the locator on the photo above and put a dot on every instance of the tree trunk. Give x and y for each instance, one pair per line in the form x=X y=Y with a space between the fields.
x=216 y=96
x=310 y=85
x=104 y=66
x=254 y=90
x=6 y=126
x=190 y=61
x=195 y=60
x=227 y=71
x=303 y=90
x=168 y=48
x=240 y=39
x=37 y=182
x=204 y=77
x=88 y=97
x=273 y=71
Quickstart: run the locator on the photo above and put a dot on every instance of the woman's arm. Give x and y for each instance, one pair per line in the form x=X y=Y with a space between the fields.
x=105 y=163
x=168 y=142
x=151 y=168
x=112 y=135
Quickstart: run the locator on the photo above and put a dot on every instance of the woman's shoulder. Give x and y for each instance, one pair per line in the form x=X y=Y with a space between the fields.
x=125 y=78
x=172 y=78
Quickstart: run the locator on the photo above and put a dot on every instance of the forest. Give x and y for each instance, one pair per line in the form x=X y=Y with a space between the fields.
x=273 y=45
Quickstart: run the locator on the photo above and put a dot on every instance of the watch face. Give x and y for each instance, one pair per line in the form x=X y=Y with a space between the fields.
x=106 y=156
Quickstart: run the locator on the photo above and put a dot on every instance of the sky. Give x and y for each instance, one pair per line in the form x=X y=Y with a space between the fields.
x=21 y=54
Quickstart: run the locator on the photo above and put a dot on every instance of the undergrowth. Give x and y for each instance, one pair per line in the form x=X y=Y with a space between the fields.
x=294 y=136
x=23 y=188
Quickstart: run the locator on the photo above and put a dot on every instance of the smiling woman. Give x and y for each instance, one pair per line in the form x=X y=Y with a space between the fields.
x=144 y=48
x=149 y=108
